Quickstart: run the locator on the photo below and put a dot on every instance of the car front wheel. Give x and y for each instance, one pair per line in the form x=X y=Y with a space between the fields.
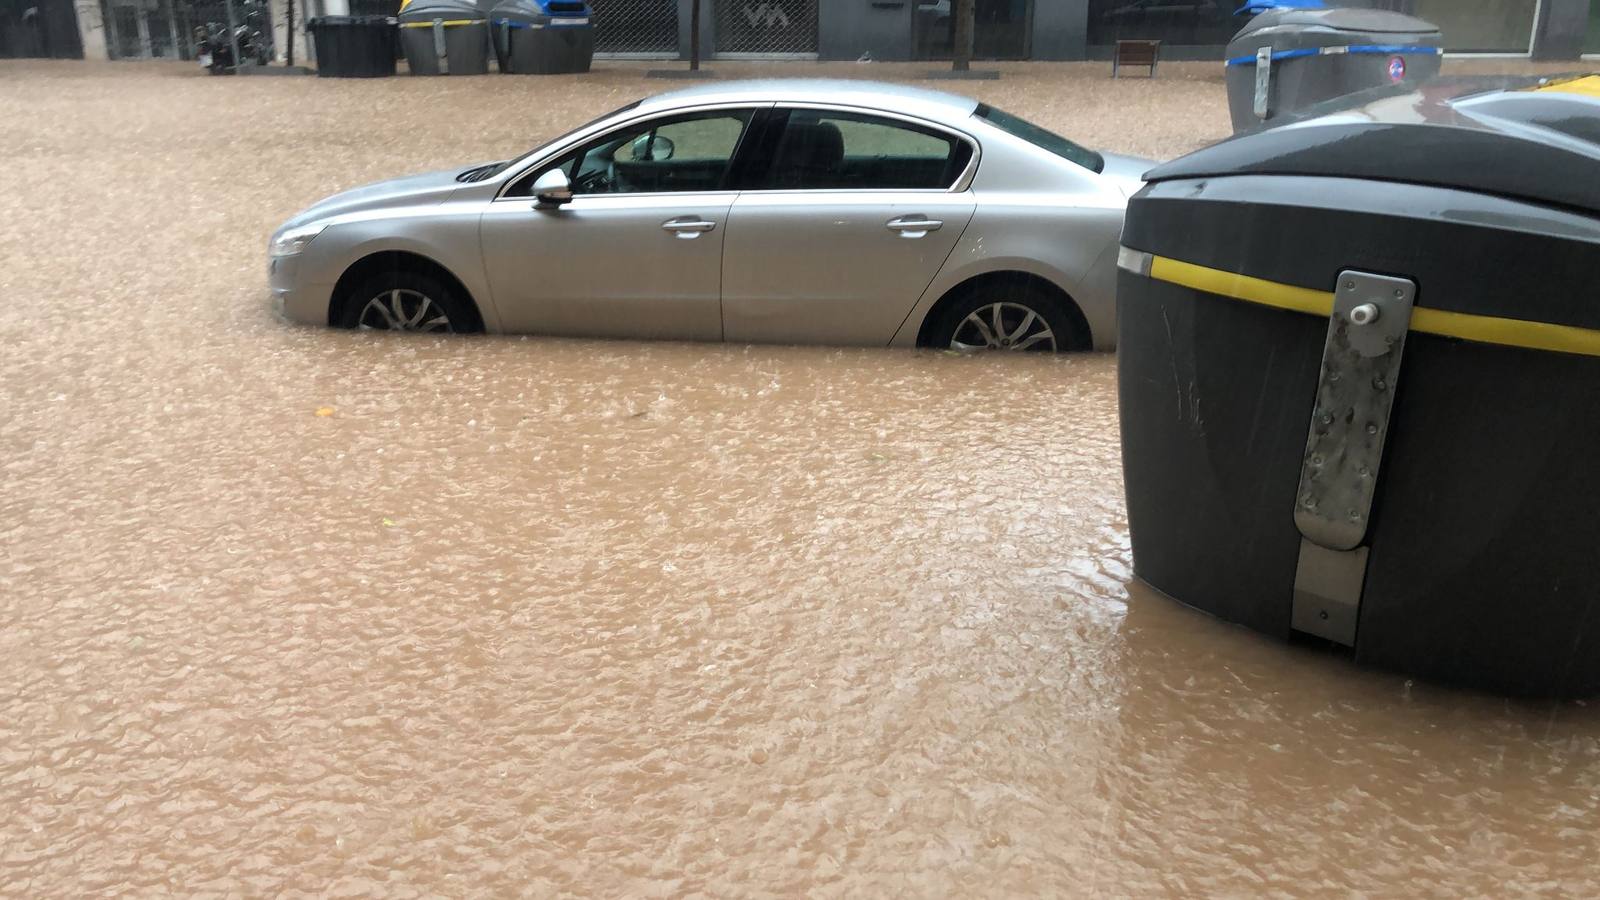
x=404 y=301
x=1025 y=319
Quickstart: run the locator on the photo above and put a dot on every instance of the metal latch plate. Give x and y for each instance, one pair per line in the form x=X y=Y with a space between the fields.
x=1327 y=592
x=1339 y=472
x=1263 y=82
x=1350 y=419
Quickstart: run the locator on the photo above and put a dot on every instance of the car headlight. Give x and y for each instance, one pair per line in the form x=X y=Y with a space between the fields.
x=293 y=240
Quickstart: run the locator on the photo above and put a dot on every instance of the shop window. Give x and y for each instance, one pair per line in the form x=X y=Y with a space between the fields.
x=1484 y=26
x=1181 y=22
x=999 y=29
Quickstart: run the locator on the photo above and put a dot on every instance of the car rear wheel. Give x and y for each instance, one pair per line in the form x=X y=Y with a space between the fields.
x=1022 y=319
x=404 y=301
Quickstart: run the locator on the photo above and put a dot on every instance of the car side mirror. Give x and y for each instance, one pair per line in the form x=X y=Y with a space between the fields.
x=552 y=190
x=652 y=148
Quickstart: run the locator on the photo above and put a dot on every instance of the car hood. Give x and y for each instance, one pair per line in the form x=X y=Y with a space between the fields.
x=1126 y=172
x=413 y=190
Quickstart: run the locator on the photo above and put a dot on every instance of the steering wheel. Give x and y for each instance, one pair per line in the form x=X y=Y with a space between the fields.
x=600 y=181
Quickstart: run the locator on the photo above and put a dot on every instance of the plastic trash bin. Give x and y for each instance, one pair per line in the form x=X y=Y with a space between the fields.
x=542 y=37
x=1357 y=366
x=445 y=37
x=1287 y=59
x=353 y=46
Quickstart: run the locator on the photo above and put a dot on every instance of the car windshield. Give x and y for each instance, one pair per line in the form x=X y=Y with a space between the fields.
x=1040 y=137
x=497 y=168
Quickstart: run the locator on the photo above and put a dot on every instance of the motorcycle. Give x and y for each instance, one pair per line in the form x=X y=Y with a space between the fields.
x=213 y=49
x=253 y=47
x=255 y=35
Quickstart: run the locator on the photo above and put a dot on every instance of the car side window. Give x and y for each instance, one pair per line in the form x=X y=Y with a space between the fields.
x=677 y=154
x=837 y=150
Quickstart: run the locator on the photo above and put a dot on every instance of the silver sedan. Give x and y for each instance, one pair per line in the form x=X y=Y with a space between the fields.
x=785 y=211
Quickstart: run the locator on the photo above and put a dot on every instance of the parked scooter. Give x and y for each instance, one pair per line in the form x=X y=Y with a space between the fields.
x=253 y=46
x=213 y=49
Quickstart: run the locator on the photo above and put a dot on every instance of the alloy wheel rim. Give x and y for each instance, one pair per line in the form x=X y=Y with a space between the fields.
x=403 y=309
x=1004 y=326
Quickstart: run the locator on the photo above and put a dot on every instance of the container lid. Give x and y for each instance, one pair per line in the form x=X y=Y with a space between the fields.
x=428 y=10
x=1359 y=21
x=519 y=11
x=1261 y=6
x=1538 y=140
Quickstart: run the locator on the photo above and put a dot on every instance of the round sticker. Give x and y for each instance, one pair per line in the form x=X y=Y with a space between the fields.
x=1397 y=68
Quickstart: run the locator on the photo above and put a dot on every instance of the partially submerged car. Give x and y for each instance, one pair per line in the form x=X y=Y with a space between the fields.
x=784 y=211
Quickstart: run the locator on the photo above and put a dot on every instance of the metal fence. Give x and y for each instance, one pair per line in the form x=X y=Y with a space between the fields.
x=766 y=27
x=635 y=27
x=169 y=30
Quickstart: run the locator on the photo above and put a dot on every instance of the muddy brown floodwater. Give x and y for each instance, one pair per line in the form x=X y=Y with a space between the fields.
x=535 y=616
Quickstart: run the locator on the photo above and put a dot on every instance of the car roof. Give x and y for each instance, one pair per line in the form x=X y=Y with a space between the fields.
x=935 y=105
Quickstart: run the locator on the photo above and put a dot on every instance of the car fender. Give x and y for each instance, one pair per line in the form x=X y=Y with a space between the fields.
x=1068 y=246
x=446 y=234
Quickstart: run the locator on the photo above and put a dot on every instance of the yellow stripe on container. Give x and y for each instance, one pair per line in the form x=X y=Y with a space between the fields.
x=447 y=23
x=1242 y=287
x=1466 y=326
x=1507 y=332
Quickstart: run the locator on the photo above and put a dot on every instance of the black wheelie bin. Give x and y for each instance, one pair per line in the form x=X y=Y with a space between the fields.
x=1358 y=368
x=542 y=37
x=353 y=46
x=1288 y=59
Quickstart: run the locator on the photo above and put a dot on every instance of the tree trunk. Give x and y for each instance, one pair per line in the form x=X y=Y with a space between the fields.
x=290 y=62
x=694 y=35
x=961 y=53
x=233 y=38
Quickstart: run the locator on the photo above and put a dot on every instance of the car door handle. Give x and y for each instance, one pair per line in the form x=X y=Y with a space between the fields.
x=688 y=227
x=913 y=226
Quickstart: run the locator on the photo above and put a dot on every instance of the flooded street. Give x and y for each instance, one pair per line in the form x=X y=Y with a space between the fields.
x=296 y=610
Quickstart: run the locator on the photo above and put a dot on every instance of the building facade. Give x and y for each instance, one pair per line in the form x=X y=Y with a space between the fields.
x=826 y=29
x=1046 y=29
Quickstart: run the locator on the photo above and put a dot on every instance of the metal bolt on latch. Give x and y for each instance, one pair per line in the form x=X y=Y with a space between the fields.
x=1365 y=314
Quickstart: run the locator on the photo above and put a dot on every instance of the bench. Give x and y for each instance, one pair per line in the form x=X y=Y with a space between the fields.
x=1136 y=53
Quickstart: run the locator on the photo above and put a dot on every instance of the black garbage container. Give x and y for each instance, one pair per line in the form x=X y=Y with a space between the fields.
x=445 y=37
x=353 y=46
x=542 y=37
x=1288 y=59
x=1357 y=365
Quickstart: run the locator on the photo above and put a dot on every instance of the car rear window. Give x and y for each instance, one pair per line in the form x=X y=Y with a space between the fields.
x=1040 y=137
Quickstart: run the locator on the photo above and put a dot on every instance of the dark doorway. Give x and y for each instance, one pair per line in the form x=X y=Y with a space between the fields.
x=39 y=29
x=1001 y=29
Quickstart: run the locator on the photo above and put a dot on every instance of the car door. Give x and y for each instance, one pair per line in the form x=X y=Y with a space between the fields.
x=835 y=241
x=637 y=252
